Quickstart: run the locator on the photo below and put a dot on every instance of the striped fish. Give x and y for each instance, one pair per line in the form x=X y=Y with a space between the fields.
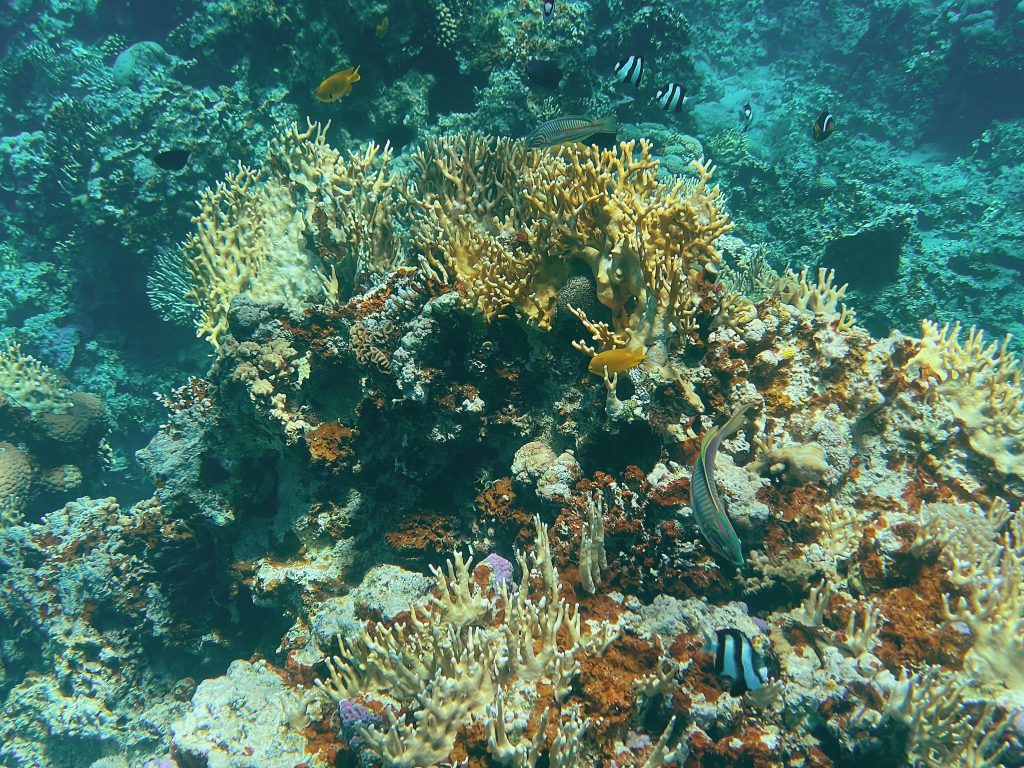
x=736 y=659
x=671 y=97
x=563 y=130
x=704 y=499
x=630 y=70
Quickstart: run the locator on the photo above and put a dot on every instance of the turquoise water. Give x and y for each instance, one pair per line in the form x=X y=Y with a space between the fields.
x=301 y=302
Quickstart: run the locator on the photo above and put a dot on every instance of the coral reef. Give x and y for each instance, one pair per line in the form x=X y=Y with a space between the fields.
x=57 y=447
x=398 y=383
x=913 y=204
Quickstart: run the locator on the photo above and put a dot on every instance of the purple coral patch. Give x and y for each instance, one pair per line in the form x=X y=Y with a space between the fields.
x=353 y=717
x=501 y=569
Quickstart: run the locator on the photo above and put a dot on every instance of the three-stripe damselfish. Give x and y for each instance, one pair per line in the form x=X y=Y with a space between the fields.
x=736 y=659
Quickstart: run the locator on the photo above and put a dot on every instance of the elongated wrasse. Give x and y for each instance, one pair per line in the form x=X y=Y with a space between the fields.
x=708 y=509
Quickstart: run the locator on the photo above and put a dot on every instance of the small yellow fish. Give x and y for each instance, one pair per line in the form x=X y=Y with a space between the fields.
x=337 y=85
x=382 y=28
x=616 y=360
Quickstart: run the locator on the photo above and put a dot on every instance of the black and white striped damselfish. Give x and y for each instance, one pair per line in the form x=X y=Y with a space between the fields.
x=736 y=659
x=630 y=70
x=671 y=97
x=707 y=506
x=571 y=128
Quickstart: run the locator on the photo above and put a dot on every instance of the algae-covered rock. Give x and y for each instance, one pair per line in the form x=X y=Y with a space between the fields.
x=135 y=64
x=232 y=726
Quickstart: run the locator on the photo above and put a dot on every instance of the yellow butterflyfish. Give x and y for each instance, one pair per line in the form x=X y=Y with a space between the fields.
x=616 y=360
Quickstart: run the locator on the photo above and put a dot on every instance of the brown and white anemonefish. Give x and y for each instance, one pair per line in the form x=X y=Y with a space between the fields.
x=823 y=126
x=337 y=85
x=616 y=360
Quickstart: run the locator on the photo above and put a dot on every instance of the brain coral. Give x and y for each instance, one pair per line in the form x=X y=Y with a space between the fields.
x=84 y=415
x=15 y=477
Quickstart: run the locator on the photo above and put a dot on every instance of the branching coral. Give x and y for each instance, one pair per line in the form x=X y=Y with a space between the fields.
x=267 y=233
x=506 y=223
x=964 y=533
x=450 y=661
x=647 y=243
x=841 y=528
x=29 y=383
x=941 y=730
x=472 y=224
x=994 y=609
x=751 y=276
x=819 y=298
x=981 y=382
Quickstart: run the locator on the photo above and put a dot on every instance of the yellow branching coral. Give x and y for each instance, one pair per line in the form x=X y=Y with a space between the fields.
x=473 y=225
x=271 y=234
x=647 y=243
x=820 y=297
x=29 y=383
x=981 y=382
x=462 y=653
x=228 y=251
x=505 y=224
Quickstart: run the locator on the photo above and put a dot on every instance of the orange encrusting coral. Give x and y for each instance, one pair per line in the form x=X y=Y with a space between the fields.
x=425 y=532
x=331 y=443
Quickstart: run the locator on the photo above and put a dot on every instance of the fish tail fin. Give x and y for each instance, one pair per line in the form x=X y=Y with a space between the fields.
x=607 y=125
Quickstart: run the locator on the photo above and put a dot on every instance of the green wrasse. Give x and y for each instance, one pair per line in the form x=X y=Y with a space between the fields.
x=564 y=130
x=707 y=505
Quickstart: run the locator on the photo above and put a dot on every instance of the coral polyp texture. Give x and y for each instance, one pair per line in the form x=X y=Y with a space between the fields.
x=430 y=504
